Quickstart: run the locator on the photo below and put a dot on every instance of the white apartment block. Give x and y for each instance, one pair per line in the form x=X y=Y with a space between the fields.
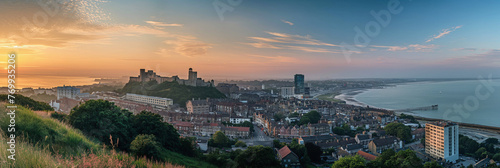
x=238 y=120
x=67 y=91
x=441 y=140
x=158 y=101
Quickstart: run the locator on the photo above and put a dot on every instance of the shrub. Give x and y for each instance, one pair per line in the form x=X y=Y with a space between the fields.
x=102 y=119
x=145 y=146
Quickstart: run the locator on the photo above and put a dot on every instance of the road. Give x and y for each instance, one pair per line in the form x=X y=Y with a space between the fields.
x=259 y=138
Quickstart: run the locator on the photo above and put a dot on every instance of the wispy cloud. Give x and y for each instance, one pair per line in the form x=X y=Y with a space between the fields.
x=443 y=33
x=490 y=58
x=287 y=22
x=409 y=48
x=160 y=25
x=68 y=21
x=187 y=46
x=290 y=41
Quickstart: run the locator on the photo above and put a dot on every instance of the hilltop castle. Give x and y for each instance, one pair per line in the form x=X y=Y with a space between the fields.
x=192 y=80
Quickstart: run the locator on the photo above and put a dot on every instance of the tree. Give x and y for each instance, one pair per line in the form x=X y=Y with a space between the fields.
x=355 y=161
x=102 y=119
x=496 y=157
x=389 y=158
x=304 y=120
x=150 y=123
x=314 y=116
x=220 y=140
x=294 y=115
x=277 y=144
x=240 y=144
x=407 y=158
x=187 y=146
x=481 y=153
x=278 y=117
x=339 y=131
x=400 y=130
x=314 y=152
x=491 y=141
x=258 y=157
x=300 y=151
x=432 y=164
x=145 y=145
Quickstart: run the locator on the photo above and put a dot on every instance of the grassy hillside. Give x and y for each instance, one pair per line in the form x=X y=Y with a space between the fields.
x=46 y=142
x=28 y=102
x=179 y=93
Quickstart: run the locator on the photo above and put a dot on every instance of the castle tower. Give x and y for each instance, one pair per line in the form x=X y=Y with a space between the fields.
x=192 y=77
x=142 y=74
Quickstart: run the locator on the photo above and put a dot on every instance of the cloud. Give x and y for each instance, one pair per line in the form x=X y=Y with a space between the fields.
x=290 y=41
x=187 y=46
x=490 y=58
x=443 y=32
x=465 y=49
x=287 y=22
x=33 y=22
x=409 y=48
x=160 y=25
x=276 y=59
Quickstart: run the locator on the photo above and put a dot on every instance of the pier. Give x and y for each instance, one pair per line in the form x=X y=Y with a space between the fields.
x=425 y=108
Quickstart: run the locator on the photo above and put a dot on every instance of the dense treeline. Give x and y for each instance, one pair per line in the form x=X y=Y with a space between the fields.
x=477 y=150
x=119 y=128
x=388 y=158
x=177 y=92
x=28 y=102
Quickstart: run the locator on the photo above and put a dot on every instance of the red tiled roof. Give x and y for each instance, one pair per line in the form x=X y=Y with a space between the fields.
x=182 y=123
x=283 y=152
x=367 y=156
x=245 y=129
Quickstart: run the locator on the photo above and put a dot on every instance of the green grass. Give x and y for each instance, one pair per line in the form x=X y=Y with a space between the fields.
x=47 y=142
x=179 y=159
x=47 y=132
x=330 y=97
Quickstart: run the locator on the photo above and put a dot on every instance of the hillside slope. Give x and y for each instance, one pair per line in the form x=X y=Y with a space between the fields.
x=46 y=142
x=179 y=93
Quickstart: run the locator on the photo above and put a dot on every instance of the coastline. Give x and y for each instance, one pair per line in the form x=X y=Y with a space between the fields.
x=348 y=96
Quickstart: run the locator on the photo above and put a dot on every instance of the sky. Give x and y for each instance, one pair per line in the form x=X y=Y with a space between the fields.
x=71 y=42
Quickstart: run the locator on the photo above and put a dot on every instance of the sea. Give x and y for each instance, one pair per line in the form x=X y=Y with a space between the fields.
x=468 y=101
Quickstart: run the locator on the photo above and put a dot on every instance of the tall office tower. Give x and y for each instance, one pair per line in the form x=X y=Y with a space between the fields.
x=299 y=84
x=441 y=140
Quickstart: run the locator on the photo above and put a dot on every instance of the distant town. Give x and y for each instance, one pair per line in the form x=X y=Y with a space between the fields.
x=279 y=113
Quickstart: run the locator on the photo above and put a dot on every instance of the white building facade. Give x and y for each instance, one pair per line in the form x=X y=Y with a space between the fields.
x=67 y=91
x=441 y=140
x=158 y=101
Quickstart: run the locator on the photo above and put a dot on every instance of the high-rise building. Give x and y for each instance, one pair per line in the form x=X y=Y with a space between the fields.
x=287 y=92
x=441 y=140
x=67 y=91
x=299 y=84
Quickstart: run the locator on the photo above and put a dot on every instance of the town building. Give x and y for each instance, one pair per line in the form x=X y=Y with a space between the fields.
x=227 y=88
x=156 y=101
x=288 y=158
x=377 y=146
x=287 y=92
x=299 y=84
x=441 y=140
x=67 y=91
x=198 y=106
x=238 y=120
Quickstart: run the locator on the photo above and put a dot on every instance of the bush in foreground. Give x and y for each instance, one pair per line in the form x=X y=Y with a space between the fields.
x=145 y=146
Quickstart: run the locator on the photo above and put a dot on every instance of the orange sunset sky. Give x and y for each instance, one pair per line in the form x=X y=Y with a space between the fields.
x=72 y=42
